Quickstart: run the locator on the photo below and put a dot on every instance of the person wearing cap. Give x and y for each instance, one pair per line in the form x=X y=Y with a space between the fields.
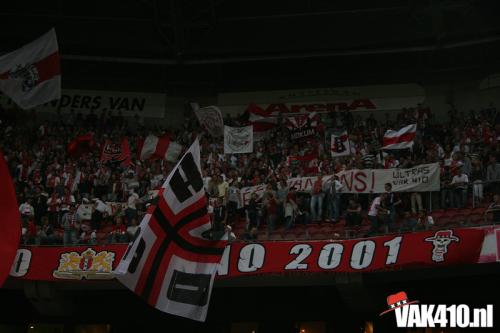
x=459 y=183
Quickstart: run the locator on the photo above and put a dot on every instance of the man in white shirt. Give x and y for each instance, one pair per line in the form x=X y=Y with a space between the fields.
x=377 y=211
x=460 y=182
x=26 y=210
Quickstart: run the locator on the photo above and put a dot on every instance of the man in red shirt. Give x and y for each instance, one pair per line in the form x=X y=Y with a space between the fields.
x=317 y=195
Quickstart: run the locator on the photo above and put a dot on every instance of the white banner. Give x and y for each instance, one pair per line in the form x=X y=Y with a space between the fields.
x=84 y=101
x=421 y=178
x=340 y=145
x=238 y=140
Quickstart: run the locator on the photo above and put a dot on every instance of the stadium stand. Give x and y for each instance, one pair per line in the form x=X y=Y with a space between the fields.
x=72 y=195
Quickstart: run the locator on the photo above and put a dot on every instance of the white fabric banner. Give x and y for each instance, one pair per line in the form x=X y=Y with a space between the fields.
x=238 y=140
x=421 y=178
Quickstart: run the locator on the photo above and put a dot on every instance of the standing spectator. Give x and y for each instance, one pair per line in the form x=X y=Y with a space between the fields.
x=253 y=212
x=416 y=202
x=353 y=214
x=392 y=202
x=281 y=196
x=233 y=200
x=53 y=206
x=132 y=201
x=27 y=211
x=333 y=198
x=317 y=195
x=377 y=213
x=494 y=209
x=477 y=178
x=493 y=174
x=446 y=188
x=220 y=219
x=459 y=182
x=290 y=208
x=132 y=228
x=271 y=206
x=69 y=222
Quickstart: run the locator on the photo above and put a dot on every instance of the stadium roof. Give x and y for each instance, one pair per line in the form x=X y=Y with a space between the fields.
x=225 y=45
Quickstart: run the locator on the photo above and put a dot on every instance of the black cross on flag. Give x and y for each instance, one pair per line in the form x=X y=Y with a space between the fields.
x=169 y=264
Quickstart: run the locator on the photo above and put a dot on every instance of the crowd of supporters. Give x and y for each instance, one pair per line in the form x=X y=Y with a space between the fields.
x=64 y=198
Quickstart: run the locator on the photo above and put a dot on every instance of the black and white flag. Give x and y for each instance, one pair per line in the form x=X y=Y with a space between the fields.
x=169 y=263
x=238 y=140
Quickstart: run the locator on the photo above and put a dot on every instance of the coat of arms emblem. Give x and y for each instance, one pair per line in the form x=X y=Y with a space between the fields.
x=89 y=265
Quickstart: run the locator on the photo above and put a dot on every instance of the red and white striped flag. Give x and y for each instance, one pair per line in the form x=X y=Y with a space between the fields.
x=169 y=263
x=155 y=147
x=401 y=139
x=31 y=75
x=263 y=122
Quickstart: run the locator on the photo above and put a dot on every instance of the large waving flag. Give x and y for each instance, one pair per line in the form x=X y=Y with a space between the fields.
x=10 y=223
x=210 y=117
x=170 y=264
x=31 y=75
x=401 y=139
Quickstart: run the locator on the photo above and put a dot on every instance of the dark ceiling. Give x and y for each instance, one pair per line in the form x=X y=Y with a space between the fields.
x=192 y=46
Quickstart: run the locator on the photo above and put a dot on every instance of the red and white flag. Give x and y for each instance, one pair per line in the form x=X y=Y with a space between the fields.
x=162 y=147
x=116 y=152
x=263 y=122
x=401 y=139
x=340 y=144
x=31 y=75
x=169 y=263
x=10 y=223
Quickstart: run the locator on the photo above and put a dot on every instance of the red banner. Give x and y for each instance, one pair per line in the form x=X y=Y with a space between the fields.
x=405 y=251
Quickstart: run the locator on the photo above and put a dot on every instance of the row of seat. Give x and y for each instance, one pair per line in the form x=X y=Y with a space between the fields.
x=452 y=217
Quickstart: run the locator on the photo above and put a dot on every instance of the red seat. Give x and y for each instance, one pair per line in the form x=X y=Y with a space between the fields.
x=459 y=218
x=443 y=221
x=290 y=236
x=318 y=235
x=466 y=211
x=276 y=236
x=478 y=210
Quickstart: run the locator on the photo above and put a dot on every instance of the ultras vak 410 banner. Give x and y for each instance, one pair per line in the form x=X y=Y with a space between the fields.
x=421 y=178
x=404 y=251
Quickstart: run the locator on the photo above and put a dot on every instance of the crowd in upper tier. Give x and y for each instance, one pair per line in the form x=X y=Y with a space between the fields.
x=64 y=198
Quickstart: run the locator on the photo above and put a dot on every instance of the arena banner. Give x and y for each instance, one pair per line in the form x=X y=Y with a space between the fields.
x=323 y=100
x=404 y=251
x=421 y=178
x=129 y=104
